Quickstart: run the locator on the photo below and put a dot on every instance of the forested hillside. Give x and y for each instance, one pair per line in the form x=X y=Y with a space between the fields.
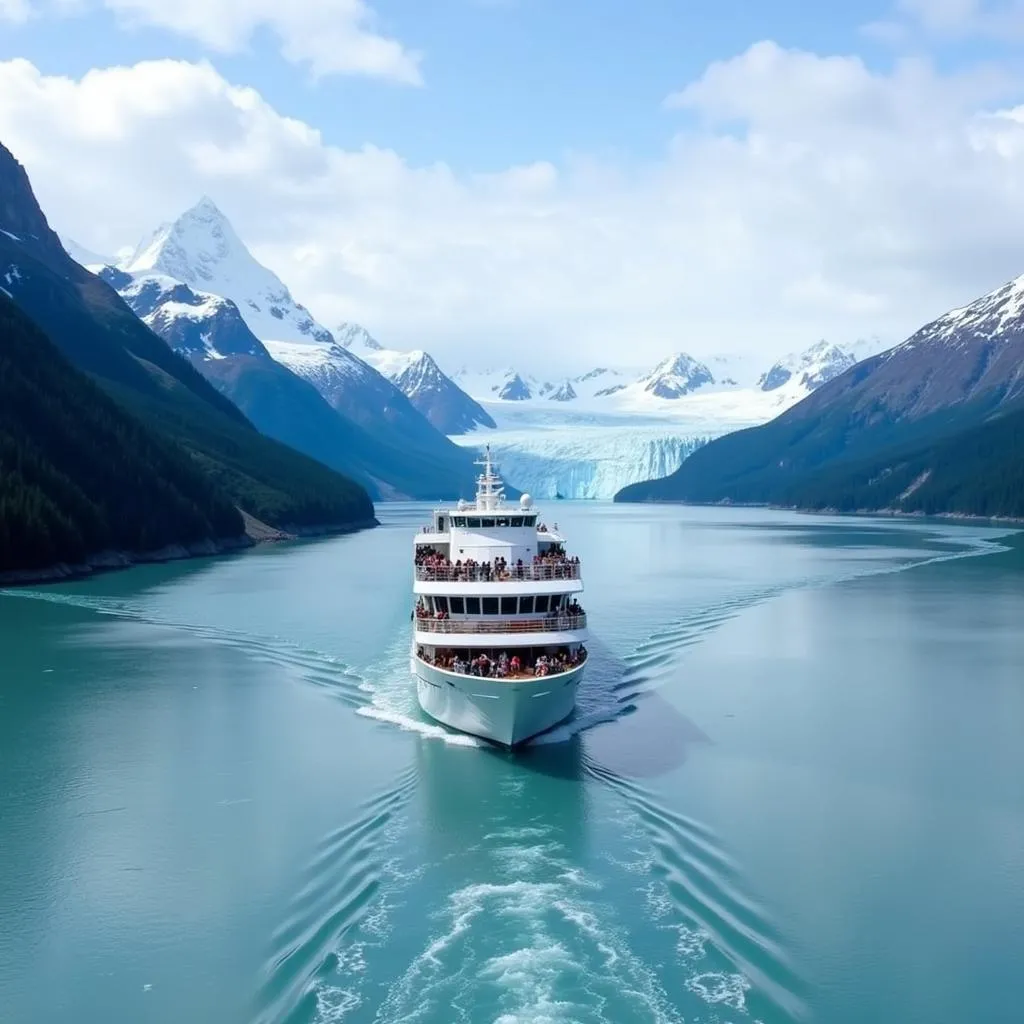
x=91 y=325
x=78 y=475
x=979 y=471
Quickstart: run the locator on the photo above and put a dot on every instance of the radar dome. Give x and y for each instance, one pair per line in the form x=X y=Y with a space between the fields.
x=462 y=504
x=525 y=501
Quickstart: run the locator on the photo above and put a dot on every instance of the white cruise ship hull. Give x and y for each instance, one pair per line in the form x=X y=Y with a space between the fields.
x=498 y=710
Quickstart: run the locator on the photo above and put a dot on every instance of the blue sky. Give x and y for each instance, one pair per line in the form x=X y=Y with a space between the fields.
x=505 y=81
x=509 y=170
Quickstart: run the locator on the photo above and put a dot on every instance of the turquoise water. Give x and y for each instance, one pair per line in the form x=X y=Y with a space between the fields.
x=794 y=788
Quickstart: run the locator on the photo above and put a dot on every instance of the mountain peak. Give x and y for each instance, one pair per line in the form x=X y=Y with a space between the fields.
x=808 y=369
x=21 y=218
x=513 y=389
x=202 y=249
x=206 y=207
x=355 y=336
x=677 y=375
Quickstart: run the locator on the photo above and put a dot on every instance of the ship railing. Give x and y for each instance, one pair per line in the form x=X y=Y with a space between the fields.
x=546 y=624
x=527 y=672
x=511 y=574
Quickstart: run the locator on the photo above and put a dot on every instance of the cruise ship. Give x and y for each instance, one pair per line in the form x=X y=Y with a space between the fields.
x=498 y=631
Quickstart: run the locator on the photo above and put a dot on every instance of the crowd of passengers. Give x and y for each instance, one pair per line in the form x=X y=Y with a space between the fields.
x=504 y=667
x=555 y=563
x=572 y=608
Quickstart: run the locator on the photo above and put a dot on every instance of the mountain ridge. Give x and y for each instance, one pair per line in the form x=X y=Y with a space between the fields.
x=418 y=376
x=958 y=374
x=382 y=439
x=99 y=334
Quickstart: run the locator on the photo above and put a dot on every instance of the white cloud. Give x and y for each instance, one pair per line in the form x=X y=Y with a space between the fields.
x=330 y=36
x=15 y=10
x=808 y=196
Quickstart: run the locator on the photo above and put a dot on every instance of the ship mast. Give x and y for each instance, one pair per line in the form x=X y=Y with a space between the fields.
x=489 y=490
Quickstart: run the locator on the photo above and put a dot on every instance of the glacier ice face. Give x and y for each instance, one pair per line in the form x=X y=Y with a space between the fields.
x=584 y=462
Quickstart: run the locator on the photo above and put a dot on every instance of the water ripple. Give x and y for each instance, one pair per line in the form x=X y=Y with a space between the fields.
x=699 y=891
x=339 y=885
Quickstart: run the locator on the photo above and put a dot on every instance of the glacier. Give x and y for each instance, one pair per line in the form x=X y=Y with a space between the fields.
x=585 y=461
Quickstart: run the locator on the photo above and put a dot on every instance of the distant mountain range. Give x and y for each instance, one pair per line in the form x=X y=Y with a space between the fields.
x=164 y=414
x=664 y=389
x=194 y=282
x=935 y=424
x=420 y=379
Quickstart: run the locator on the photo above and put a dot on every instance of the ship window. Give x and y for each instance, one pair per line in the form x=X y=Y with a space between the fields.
x=440 y=524
x=473 y=523
x=508 y=606
x=487 y=522
x=542 y=603
x=526 y=606
x=472 y=605
x=458 y=520
x=529 y=520
x=490 y=605
x=517 y=520
x=458 y=606
x=501 y=521
x=441 y=603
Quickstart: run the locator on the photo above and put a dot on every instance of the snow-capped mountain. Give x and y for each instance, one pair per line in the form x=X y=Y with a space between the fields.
x=999 y=316
x=676 y=376
x=201 y=249
x=563 y=393
x=594 y=374
x=197 y=285
x=195 y=324
x=513 y=389
x=356 y=338
x=809 y=369
x=909 y=415
x=622 y=419
x=417 y=375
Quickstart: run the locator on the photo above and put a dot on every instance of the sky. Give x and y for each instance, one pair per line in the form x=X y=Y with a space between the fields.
x=553 y=184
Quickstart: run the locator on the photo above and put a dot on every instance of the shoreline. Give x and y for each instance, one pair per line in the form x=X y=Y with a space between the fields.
x=877 y=513
x=256 y=533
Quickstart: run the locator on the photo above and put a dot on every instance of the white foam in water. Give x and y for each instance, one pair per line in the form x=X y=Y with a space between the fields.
x=333 y=1005
x=430 y=730
x=716 y=987
x=527 y=950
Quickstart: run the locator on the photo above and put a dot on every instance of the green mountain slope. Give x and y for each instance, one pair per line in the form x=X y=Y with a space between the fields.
x=966 y=460
x=99 y=334
x=976 y=471
x=883 y=433
x=78 y=475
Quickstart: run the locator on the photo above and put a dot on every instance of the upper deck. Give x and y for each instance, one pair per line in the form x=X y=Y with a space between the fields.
x=490 y=541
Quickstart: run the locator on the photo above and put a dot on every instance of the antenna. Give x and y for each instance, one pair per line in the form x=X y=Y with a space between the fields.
x=489 y=490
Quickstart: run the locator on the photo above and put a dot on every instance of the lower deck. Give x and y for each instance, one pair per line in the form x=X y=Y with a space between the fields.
x=511 y=664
